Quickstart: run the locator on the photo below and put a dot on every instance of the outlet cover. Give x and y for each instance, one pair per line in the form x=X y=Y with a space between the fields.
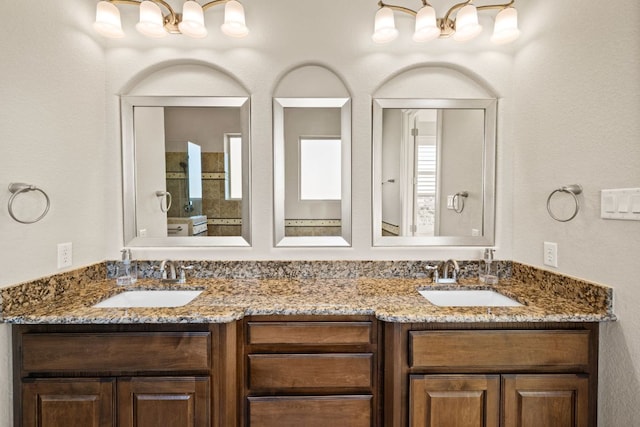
x=550 y=254
x=65 y=255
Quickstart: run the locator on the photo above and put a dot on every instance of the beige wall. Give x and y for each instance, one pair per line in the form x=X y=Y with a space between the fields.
x=52 y=129
x=577 y=92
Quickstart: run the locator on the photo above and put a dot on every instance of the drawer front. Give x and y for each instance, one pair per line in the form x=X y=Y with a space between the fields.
x=311 y=371
x=122 y=351
x=310 y=333
x=499 y=350
x=311 y=411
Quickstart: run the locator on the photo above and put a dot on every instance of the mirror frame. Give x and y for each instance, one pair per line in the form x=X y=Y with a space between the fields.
x=280 y=240
x=488 y=166
x=127 y=105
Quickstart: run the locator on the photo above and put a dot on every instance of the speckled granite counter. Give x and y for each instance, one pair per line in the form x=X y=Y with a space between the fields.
x=547 y=297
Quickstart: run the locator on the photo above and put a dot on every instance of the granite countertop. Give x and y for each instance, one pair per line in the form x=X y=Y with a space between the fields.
x=389 y=299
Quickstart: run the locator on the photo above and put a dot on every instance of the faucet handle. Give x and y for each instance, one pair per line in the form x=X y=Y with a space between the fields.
x=183 y=272
x=434 y=270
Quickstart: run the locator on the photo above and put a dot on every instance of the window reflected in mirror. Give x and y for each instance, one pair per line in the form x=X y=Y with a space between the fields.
x=312 y=167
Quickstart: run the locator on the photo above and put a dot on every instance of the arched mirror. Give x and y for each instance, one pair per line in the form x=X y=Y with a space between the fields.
x=434 y=172
x=312 y=171
x=186 y=165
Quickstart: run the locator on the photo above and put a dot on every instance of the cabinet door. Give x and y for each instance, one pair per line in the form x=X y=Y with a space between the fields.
x=545 y=400
x=311 y=411
x=163 y=401
x=454 y=401
x=77 y=402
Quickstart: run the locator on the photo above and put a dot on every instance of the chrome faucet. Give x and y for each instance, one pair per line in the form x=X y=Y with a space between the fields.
x=172 y=270
x=445 y=272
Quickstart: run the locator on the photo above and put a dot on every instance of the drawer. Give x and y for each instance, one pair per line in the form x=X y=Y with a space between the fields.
x=311 y=371
x=310 y=333
x=499 y=350
x=122 y=351
x=311 y=411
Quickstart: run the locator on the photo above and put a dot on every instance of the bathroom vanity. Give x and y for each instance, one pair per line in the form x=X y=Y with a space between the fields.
x=309 y=351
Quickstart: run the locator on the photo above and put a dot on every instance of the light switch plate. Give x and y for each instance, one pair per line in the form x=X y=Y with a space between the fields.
x=620 y=203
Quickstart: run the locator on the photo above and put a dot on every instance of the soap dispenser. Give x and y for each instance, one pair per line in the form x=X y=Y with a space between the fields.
x=487 y=276
x=126 y=270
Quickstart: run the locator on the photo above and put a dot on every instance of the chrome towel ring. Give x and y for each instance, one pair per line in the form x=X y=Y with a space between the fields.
x=458 y=201
x=164 y=195
x=574 y=190
x=20 y=187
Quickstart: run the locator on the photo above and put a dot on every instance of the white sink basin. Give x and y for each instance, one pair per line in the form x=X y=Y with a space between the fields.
x=468 y=298
x=149 y=299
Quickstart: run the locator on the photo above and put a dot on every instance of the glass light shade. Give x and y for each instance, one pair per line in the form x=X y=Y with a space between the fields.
x=192 y=23
x=234 y=25
x=467 y=26
x=426 y=25
x=506 y=29
x=108 y=21
x=151 y=20
x=385 y=26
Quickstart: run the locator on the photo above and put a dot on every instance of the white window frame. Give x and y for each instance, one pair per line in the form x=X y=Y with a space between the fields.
x=232 y=167
x=336 y=165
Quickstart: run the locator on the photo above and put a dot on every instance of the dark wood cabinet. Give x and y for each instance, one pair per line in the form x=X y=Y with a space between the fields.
x=490 y=375
x=163 y=401
x=71 y=402
x=311 y=371
x=125 y=375
x=281 y=371
x=546 y=401
x=454 y=400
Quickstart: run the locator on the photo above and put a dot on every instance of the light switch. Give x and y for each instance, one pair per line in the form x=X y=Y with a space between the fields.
x=635 y=204
x=623 y=203
x=609 y=204
x=620 y=203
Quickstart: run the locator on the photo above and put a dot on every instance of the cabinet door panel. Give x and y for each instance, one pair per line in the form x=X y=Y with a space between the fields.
x=454 y=401
x=166 y=402
x=545 y=400
x=310 y=411
x=74 y=402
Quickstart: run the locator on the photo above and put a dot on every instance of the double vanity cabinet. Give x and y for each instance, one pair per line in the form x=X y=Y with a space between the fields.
x=280 y=371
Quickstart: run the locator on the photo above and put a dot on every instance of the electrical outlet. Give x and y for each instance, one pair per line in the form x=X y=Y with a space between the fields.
x=551 y=254
x=65 y=255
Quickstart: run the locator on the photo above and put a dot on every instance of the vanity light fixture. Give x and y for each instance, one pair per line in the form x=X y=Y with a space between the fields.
x=154 y=23
x=460 y=22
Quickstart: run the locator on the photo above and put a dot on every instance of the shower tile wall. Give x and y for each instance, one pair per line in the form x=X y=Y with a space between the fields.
x=223 y=216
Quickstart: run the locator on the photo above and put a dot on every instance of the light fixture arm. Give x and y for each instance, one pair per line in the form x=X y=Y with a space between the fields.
x=213 y=3
x=171 y=18
x=496 y=6
x=398 y=8
x=447 y=24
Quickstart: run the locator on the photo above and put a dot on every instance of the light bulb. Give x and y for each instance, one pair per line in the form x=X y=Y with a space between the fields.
x=151 y=20
x=108 y=21
x=192 y=23
x=467 y=26
x=385 y=26
x=234 y=25
x=506 y=29
x=426 y=25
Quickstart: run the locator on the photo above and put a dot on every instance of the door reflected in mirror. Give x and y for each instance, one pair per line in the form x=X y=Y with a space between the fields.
x=186 y=171
x=433 y=172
